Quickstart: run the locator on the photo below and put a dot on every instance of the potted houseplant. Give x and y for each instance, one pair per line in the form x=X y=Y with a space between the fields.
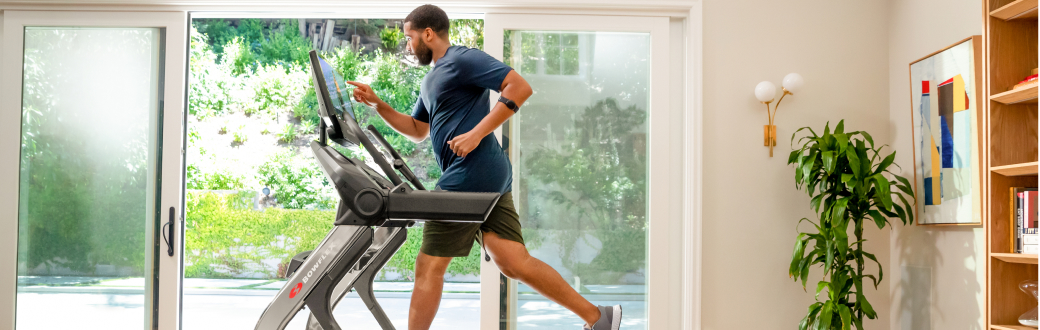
x=851 y=185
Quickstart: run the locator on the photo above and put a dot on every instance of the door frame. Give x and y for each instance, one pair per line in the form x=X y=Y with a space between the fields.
x=664 y=209
x=168 y=154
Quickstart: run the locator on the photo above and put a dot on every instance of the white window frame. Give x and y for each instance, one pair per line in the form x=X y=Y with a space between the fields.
x=11 y=60
x=686 y=59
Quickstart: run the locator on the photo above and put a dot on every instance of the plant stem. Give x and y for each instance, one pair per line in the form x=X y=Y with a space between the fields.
x=859 y=260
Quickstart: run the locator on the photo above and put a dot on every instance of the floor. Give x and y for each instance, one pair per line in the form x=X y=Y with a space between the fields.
x=236 y=304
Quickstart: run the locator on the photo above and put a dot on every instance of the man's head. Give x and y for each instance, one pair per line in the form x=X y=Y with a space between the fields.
x=426 y=25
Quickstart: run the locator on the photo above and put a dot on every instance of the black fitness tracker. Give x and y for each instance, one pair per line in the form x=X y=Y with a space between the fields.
x=509 y=103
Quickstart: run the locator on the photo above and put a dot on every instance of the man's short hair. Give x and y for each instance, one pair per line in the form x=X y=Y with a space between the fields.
x=429 y=16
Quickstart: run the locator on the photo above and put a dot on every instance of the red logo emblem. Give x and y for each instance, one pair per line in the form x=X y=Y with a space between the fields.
x=294 y=291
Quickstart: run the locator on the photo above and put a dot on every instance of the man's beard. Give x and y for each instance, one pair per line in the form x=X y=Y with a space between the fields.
x=423 y=54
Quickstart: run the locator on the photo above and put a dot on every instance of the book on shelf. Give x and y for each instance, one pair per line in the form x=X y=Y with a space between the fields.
x=1030 y=81
x=1024 y=220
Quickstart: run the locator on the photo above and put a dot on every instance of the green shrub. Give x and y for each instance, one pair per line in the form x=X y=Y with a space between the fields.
x=307 y=109
x=298 y=182
x=240 y=136
x=239 y=57
x=285 y=46
x=213 y=181
x=225 y=238
x=308 y=127
x=288 y=133
x=390 y=38
x=274 y=90
x=208 y=82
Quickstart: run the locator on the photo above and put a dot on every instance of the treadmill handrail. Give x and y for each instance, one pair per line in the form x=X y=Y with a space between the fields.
x=405 y=170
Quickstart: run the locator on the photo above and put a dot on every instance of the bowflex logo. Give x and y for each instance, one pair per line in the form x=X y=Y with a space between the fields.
x=294 y=291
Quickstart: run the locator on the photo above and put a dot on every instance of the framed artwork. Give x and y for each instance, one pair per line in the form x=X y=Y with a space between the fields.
x=946 y=98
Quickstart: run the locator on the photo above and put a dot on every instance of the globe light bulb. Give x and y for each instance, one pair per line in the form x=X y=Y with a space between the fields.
x=792 y=82
x=765 y=91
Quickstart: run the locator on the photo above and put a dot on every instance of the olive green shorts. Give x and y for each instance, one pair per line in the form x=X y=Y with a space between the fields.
x=455 y=239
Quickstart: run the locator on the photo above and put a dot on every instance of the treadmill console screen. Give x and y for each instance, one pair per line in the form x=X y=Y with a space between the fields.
x=334 y=105
x=337 y=90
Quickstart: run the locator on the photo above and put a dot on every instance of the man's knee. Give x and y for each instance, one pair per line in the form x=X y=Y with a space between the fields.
x=430 y=267
x=512 y=266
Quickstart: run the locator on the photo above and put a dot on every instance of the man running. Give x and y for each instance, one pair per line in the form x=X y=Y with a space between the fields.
x=453 y=109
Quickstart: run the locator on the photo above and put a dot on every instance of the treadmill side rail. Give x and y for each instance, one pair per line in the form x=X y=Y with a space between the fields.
x=290 y=299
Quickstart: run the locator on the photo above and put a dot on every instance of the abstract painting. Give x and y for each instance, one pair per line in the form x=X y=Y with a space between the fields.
x=945 y=97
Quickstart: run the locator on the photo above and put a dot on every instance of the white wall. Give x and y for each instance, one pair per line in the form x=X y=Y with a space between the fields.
x=938 y=273
x=751 y=205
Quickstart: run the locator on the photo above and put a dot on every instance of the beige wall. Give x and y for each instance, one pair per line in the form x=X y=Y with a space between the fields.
x=751 y=205
x=938 y=273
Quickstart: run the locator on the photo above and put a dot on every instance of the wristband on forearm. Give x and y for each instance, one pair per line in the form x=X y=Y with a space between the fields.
x=509 y=104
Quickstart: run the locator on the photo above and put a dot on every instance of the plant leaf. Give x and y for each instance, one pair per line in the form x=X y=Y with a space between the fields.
x=825 y=316
x=819 y=287
x=828 y=161
x=854 y=163
x=883 y=190
x=868 y=310
x=885 y=163
x=846 y=317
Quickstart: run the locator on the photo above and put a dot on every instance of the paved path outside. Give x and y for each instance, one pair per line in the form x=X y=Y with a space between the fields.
x=237 y=304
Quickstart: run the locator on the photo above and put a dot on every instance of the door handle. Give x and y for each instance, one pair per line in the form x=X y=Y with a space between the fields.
x=168 y=233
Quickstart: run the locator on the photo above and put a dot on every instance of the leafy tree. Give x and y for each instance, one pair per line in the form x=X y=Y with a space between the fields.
x=599 y=180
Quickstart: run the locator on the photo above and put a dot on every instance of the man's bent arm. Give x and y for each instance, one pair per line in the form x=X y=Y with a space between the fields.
x=515 y=88
x=406 y=125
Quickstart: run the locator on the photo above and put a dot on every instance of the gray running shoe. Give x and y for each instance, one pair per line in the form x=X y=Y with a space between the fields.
x=609 y=319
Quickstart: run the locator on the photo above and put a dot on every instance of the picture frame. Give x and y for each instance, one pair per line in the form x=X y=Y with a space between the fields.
x=946 y=98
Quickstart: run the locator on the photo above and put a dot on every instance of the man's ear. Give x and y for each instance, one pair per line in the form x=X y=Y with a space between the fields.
x=428 y=34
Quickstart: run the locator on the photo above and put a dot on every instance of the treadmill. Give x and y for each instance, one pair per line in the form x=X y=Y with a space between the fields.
x=375 y=209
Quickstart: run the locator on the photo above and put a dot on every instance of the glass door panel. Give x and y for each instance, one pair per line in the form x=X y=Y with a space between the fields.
x=88 y=177
x=580 y=167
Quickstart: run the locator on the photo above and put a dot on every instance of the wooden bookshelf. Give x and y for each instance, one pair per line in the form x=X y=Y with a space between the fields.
x=1030 y=168
x=1021 y=9
x=1011 y=327
x=1016 y=258
x=1009 y=137
x=1021 y=95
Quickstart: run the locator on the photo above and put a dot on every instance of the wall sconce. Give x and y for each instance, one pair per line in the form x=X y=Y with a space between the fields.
x=765 y=92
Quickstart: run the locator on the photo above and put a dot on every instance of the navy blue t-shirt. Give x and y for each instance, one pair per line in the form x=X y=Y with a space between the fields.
x=453 y=99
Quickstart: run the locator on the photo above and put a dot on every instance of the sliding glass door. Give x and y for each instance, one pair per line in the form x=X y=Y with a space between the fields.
x=582 y=149
x=99 y=167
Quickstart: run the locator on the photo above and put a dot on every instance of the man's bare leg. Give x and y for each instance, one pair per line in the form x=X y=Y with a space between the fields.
x=426 y=296
x=514 y=261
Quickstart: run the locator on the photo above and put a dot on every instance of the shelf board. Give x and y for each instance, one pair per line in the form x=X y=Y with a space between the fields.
x=1016 y=10
x=1010 y=327
x=1016 y=258
x=1016 y=169
x=1021 y=95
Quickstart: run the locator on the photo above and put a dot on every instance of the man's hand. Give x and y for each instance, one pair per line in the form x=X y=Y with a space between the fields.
x=463 y=144
x=364 y=94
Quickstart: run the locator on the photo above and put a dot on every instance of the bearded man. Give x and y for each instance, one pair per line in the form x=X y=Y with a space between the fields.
x=453 y=110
